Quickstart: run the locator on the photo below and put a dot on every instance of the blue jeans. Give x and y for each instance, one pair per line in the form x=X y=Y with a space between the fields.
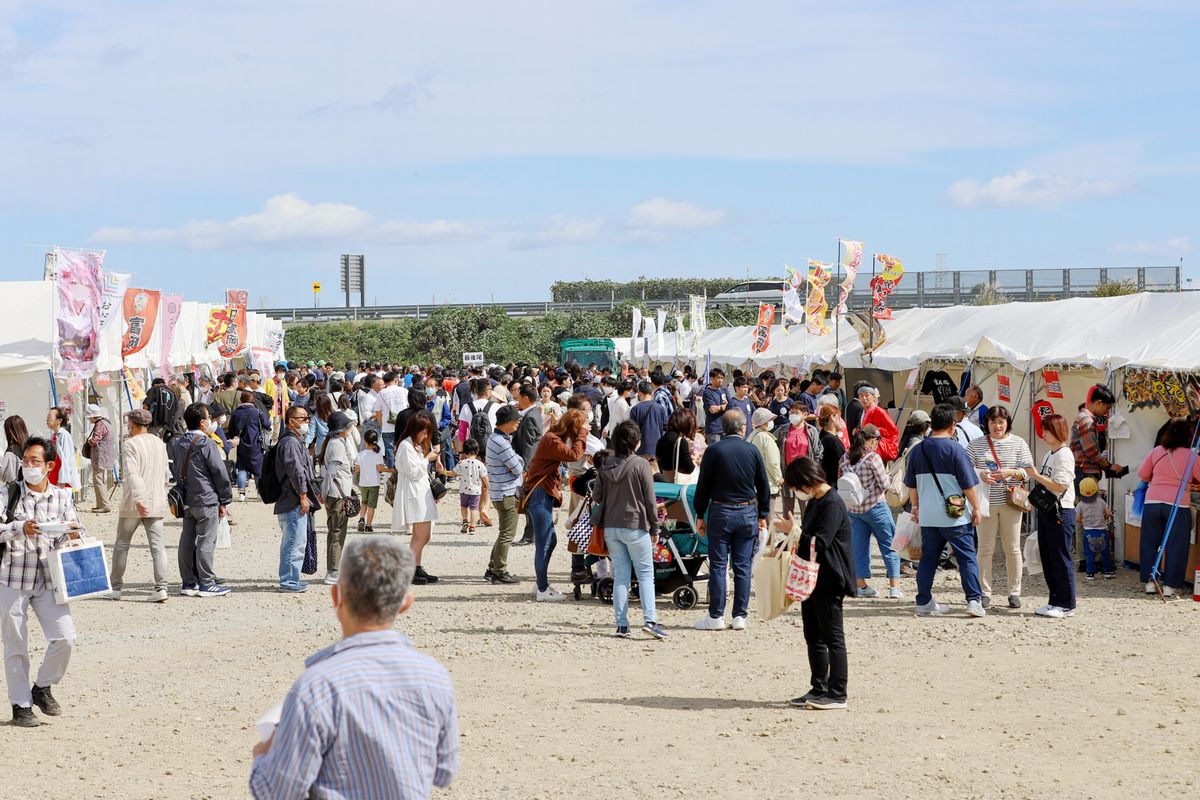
x=962 y=540
x=291 y=547
x=541 y=511
x=1095 y=545
x=877 y=522
x=389 y=449
x=1175 y=556
x=243 y=478
x=630 y=550
x=732 y=534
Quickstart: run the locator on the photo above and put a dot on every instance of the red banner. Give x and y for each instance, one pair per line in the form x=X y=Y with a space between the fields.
x=141 y=313
x=762 y=331
x=1053 y=385
x=237 y=297
x=1004 y=389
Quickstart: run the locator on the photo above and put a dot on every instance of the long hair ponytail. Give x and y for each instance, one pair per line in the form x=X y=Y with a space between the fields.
x=858 y=447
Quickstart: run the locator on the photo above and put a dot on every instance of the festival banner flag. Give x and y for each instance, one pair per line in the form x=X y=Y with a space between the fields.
x=112 y=292
x=662 y=327
x=883 y=284
x=910 y=382
x=637 y=324
x=78 y=319
x=762 y=331
x=274 y=340
x=1053 y=384
x=793 y=306
x=1003 y=389
x=172 y=305
x=816 y=305
x=234 y=340
x=141 y=314
x=137 y=390
x=237 y=297
x=696 y=304
x=850 y=257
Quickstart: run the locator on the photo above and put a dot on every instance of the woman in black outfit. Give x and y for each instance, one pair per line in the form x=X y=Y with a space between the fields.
x=831 y=444
x=681 y=425
x=826 y=520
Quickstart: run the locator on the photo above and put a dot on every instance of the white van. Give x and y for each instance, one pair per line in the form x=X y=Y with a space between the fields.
x=755 y=291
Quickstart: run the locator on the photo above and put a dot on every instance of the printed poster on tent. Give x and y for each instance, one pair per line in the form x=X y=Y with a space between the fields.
x=1053 y=384
x=1003 y=389
x=78 y=322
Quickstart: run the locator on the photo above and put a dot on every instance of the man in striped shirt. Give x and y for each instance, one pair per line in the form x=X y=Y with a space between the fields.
x=506 y=470
x=370 y=717
x=25 y=582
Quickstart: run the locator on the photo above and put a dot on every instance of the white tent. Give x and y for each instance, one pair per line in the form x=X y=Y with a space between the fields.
x=26 y=344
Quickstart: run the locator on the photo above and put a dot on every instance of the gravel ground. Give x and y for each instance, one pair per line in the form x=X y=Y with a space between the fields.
x=160 y=700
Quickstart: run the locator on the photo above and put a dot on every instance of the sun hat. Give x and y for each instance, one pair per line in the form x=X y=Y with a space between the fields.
x=1088 y=487
x=762 y=416
x=338 y=422
x=93 y=411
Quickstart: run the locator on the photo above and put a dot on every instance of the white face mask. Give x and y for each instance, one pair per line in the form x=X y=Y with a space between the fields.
x=796 y=419
x=303 y=431
x=221 y=422
x=590 y=417
x=33 y=475
x=804 y=496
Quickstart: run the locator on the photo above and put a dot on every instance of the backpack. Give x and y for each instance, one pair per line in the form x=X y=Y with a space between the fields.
x=897 y=492
x=162 y=406
x=14 y=497
x=481 y=425
x=270 y=487
x=851 y=489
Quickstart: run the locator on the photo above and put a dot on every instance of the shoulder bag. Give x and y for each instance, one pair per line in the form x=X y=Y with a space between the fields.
x=683 y=478
x=523 y=494
x=177 y=494
x=955 y=504
x=1042 y=498
x=1015 y=496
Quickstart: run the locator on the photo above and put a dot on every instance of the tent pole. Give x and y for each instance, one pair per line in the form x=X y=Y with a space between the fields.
x=837 y=315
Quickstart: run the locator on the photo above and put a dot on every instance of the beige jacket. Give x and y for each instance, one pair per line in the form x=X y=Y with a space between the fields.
x=146 y=475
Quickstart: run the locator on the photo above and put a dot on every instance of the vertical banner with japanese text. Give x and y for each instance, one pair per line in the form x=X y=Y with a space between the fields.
x=80 y=273
x=762 y=331
x=141 y=315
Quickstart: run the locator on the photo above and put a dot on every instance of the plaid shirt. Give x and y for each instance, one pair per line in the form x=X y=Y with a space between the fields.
x=1085 y=443
x=25 y=565
x=874 y=477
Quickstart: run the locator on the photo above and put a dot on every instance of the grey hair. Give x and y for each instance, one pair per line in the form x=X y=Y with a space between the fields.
x=374 y=576
x=732 y=422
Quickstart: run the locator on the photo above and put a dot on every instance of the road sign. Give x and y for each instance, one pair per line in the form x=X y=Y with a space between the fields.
x=472 y=359
x=353 y=277
x=316 y=287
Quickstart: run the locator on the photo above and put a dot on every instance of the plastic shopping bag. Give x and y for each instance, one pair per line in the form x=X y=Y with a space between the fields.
x=224 y=541
x=906 y=531
x=770 y=576
x=1033 y=556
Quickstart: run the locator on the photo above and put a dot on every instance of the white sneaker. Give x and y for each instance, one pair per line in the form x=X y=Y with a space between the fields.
x=1169 y=591
x=1151 y=588
x=331 y=578
x=894 y=593
x=115 y=594
x=1054 y=612
x=551 y=595
x=931 y=609
x=976 y=609
x=707 y=623
x=243 y=497
x=739 y=624
x=1067 y=612
x=159 y=596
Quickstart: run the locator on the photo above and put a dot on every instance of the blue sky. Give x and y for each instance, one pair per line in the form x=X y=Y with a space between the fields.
x=477 y=149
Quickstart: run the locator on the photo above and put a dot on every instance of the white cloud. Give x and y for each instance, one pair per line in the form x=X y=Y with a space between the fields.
x=1027 y=189
x=290 y=220
x=659 y=213
x=561 y=230
x=1167 y=248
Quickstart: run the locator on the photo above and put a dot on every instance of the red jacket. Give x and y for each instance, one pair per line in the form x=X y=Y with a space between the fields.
x=889 y=442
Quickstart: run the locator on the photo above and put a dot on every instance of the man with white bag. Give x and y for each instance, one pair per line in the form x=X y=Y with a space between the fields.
x=25 y=582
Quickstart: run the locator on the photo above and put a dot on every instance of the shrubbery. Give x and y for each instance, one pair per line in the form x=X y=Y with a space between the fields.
x=642 y=289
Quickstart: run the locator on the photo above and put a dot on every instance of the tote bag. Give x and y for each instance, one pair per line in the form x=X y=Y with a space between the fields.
x=802 y=574
x=683 y=478
x=770 y=575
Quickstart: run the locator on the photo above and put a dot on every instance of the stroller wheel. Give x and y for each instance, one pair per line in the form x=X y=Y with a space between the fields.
x=578 y=592
x=684 y=598
x=604 y=590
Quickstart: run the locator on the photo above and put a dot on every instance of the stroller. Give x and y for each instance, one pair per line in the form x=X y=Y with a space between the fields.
x=678 y=560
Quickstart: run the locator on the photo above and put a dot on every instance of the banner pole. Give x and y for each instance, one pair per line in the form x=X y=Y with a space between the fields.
x=837 y=312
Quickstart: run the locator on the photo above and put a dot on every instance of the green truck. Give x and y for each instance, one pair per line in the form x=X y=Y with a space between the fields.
x=601 y=352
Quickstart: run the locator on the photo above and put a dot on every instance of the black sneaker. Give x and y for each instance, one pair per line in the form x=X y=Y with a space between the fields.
x=506 y=578
x=802 y=701
x=362 y=524
x=1014 y=601
x=419 y=580
x=622 y=633
x=488 y=575
x=523 y=541
x=421 y=573
x=369 y=529
x=465 y=527
x=985 y=601
x=46 y=702
x=826 y=704
x=24 y=718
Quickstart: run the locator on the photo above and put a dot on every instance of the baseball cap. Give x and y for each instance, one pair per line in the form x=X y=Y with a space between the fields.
x=919 y=416
x=957 y=403
x=1088 y=487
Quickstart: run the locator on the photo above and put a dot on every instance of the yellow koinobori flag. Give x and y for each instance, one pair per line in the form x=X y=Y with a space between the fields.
x=850 y=257
x=817 y=305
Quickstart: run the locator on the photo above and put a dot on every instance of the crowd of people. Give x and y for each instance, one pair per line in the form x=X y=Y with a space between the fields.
x=547 y=444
